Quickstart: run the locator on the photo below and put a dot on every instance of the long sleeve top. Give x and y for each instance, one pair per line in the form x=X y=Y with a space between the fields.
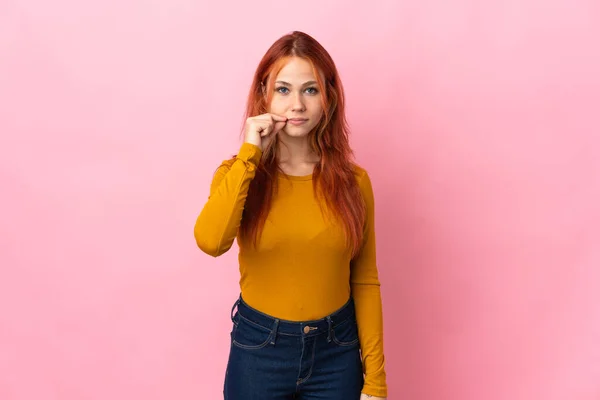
x=301 y=268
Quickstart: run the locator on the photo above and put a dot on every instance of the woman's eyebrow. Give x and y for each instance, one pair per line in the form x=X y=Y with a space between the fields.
x=289 y=84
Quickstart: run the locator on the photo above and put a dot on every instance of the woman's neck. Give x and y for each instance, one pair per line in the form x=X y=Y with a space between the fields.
x=296 y=156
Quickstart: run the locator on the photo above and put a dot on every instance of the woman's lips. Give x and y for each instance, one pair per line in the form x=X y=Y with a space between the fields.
x=297 y=121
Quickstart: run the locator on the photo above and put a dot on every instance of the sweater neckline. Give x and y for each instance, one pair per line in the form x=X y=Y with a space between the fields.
x=296 y=177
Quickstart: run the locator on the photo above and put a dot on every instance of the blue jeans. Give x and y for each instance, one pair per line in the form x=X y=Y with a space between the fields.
x=273 y=359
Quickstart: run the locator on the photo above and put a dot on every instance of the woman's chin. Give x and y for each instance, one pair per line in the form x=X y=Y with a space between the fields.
x=295 y=132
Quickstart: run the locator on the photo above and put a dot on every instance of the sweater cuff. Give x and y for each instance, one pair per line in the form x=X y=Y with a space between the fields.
x=375 y=391
x=250 y=153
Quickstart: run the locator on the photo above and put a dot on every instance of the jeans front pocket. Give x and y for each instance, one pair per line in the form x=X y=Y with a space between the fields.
x=249 y=335
x=345 y=333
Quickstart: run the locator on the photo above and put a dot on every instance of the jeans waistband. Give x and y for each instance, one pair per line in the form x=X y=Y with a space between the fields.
x=295 y=328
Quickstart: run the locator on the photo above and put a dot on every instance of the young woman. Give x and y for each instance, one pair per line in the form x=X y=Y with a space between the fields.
x=308 y=323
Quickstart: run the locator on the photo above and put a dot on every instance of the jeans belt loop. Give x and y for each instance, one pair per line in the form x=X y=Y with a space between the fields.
x=274 y=332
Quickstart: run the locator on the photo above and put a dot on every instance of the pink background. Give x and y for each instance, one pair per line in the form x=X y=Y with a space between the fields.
x=479 y=123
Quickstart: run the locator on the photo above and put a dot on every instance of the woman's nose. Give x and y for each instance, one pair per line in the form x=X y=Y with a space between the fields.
x=297 y=103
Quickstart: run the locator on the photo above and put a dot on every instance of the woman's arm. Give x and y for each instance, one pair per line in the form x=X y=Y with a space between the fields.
x=365 y=287
x=217 y=225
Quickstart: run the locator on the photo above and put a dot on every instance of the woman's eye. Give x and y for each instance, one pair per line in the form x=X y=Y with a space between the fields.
x=285 y=90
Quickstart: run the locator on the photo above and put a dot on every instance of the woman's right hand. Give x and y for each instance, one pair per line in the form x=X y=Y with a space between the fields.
x=261 y=129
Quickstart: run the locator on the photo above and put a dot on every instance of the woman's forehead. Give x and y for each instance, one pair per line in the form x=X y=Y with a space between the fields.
x=297 y=72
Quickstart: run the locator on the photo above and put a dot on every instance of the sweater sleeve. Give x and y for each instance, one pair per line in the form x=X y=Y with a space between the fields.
x=365 y=285
x=217 y=225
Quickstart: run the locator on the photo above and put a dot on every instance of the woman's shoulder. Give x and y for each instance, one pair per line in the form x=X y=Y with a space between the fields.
x=364 y=183
x=360 y=173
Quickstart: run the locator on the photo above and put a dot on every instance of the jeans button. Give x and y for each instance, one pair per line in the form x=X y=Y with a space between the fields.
x=306 y=329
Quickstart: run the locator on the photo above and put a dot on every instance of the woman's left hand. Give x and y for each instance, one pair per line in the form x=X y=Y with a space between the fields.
x=368 y=397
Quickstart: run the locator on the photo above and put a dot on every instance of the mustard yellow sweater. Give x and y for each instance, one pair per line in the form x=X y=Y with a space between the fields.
x=301 y=269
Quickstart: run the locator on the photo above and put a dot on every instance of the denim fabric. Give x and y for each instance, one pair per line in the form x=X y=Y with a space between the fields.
x=273 y=359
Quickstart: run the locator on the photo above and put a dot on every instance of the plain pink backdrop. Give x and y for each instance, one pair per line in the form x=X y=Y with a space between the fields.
x=479 y=123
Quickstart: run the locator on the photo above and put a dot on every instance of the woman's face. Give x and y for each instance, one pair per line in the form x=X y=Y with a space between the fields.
x=297 y=97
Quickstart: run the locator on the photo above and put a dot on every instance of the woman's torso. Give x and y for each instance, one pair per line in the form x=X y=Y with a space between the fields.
x=300 y=268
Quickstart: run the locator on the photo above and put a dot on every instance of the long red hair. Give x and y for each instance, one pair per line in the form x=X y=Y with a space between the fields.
x=334 y=179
